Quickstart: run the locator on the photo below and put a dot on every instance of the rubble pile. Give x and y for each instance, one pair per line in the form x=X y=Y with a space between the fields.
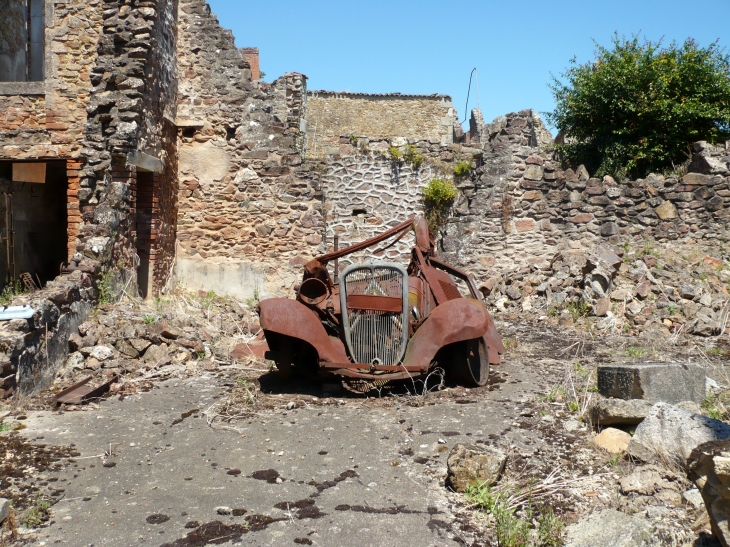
x=630 y=290
x=138 y=341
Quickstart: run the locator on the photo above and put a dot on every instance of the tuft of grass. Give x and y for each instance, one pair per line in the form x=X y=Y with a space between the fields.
x=150 y=318
x=512 y=529
x=413 y=157
x=634 y=352
x=716 y=406
x=438 y=196
x=36 y=515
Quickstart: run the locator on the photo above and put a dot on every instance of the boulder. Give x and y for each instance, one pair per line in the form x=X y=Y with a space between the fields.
x=669 y=434
x=709 y=468
x=469 y=464
x=4 y=509
x=613 y=441
x=653 y=382
x=609 y=528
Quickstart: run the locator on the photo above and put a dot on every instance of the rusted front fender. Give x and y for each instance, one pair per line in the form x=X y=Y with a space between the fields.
x=292 y=318
x=453 y=321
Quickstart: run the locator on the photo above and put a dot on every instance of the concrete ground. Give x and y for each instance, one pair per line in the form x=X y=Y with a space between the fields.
x=330 y=472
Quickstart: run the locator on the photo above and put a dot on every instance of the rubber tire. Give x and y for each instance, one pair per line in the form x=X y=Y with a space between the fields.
x=471 y=363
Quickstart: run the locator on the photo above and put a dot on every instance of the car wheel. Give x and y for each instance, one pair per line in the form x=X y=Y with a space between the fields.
x=471 y=363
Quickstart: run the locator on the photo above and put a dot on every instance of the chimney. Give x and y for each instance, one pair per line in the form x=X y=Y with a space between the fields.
x=251 y=55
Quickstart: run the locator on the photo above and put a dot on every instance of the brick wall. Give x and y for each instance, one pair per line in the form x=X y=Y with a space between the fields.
x=415 y=117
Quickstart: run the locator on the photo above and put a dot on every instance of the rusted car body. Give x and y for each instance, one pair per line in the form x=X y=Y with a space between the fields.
x=379 y=321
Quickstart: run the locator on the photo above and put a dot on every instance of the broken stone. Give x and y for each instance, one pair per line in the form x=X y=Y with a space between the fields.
x=613 y=441
x=653 y=382
x=687 y=291
x=102 y=353
x=140 y=345
x=608 y=528
x=708 y=468
x=169 y=331
x=223 y=510
x=693 y=498
x=469 y=464
x=125 y=348
x=92 y=363
x=75 y=361
x=613 y=411
x=670 y=434
x=648 y=480
x=643 y=289
x=75 y=342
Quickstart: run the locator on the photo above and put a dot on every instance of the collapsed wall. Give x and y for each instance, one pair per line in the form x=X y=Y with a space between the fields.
x=249 y=207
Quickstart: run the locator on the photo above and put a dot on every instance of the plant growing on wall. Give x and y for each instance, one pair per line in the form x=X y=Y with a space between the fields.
x=413 y=157
x=395 y=154
x=462 y=168
x=639 y=106
x=438 y=196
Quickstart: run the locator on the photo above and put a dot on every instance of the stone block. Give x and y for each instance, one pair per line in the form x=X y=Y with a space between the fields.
x=653 y=382
x=618 y=411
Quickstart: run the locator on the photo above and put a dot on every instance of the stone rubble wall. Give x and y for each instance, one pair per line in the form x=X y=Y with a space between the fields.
x=419 y=117
x=249 y=209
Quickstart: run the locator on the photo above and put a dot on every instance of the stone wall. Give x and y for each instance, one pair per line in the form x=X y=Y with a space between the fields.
x=249 y=209
x=519 y=205
x=415 y=117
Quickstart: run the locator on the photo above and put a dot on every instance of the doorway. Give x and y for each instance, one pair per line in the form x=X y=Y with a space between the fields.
x=33 y=220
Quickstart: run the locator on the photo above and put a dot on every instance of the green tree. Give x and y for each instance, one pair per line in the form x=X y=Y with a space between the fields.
x=639 y=106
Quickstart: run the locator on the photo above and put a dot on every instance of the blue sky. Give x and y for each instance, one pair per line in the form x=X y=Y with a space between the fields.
x=430 y=46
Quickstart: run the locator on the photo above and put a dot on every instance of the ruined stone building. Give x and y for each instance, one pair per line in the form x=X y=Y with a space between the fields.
x=140 y=152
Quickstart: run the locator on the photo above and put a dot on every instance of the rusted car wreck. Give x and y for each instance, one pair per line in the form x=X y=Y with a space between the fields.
x=378 y=321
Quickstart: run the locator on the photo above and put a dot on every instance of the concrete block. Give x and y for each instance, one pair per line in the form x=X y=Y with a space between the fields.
x=653 y=382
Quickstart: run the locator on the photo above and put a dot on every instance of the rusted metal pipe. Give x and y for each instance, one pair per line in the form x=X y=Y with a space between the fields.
x=337 y=260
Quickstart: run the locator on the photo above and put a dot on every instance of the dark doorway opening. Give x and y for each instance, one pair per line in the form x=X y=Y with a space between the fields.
x=145 y=213
x=33 y=221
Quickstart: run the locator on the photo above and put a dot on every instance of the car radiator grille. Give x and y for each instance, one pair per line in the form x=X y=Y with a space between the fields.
x=375 y=336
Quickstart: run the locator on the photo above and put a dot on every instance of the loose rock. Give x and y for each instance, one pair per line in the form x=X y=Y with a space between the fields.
x=469 y=464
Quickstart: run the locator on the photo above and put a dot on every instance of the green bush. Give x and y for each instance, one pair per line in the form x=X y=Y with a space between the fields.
x=438 y=195
x=640 y=105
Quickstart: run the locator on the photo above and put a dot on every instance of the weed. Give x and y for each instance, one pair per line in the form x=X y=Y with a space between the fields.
x=438 y=195
x=580 y=370
x=634 y=352
x=10 y=291
x=614 y=462
x=509 y=343
x=395 y=154
x=353 y=140
x=716 y=406
x=35 y=516
x=650 y=250
x=200 y=355
x=555 y=395
x=4 y=427
x=715 y=351
x=578 y=309
x=105 y=287
x=672 y=309
x=150 y=318
x=702 y=277
x=462 y=168
x=573 y=406
x=513 y=530
x=413 y=157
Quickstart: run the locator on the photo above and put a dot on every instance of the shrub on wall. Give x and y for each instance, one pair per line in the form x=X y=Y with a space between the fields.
x=640 y=105
x=462 y=168
x=438 y=196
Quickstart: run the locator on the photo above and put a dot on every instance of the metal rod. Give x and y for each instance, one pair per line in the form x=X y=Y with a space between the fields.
x=337 y=260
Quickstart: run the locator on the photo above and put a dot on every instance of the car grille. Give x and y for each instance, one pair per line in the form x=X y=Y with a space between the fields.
x=376 y=329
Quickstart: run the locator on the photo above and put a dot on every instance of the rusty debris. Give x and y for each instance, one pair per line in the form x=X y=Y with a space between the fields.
x=379 y=321
x=81 y=392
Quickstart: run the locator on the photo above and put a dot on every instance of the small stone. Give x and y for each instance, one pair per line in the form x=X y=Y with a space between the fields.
x=601 y=307
x=223 y=510
x=291 y=405
x=687 y=291
x=643 y=289
x=514 y=293
x=608 y=528
x=470 y=464
x=75 y=361
x=693 y=498
x=75 y=342
x=648 y=480
x=613 y=441
x=92 y=363
x=619 y=295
